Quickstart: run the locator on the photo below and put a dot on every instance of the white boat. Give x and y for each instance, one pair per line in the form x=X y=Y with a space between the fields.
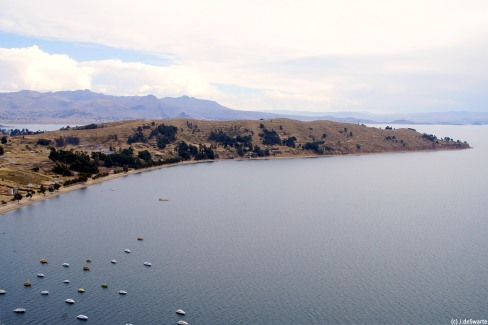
x=2 y=292
x=19 y=310
x=66 y=281
x=69 y=301
x=44 y=293
x=182 y=322
x=82 y=317
x=40 y=275
x=122 y=292
x=113 y=261
x=127 y=250
x=66 y=264
x=180 y=311
x=147 y=264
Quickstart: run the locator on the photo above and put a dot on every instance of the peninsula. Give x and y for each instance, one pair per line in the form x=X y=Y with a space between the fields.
x=35 y=166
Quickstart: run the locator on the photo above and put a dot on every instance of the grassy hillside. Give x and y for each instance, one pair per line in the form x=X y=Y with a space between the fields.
x=26 y=164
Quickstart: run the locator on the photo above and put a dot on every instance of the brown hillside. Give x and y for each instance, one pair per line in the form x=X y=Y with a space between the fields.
x=23 y=153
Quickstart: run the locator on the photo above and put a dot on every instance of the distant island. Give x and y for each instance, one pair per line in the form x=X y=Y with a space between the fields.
x=35 y=165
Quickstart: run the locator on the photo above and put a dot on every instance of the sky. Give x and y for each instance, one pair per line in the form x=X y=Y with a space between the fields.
x=378 y=56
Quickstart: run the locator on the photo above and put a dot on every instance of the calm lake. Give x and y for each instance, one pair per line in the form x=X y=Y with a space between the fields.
x=371 y=239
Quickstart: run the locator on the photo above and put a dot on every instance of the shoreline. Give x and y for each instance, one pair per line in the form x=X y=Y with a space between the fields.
x=12 y=206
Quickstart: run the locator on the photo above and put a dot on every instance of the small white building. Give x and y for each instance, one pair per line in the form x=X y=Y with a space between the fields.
x=12 y=191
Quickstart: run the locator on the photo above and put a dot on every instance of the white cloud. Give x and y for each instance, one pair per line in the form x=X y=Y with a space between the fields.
x=133 y=78
x=31 y=68
x=320 y=55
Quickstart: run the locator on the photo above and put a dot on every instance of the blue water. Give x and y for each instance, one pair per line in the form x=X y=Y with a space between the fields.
x=370 y=239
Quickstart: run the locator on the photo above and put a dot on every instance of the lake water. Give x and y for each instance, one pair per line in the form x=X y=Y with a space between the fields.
x=371 y=239
x=33 y=127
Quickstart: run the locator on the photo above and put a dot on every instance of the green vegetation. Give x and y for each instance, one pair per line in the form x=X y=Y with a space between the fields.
x=80 y=179
x=227 y=140
x=290 y=142
x=138 y=136
x=87 y=127
x=44 y=142
x=259 y=152
x=76 y=161
x=165 y=135
x=429 y=137
x=270 y=137
x=72 y=140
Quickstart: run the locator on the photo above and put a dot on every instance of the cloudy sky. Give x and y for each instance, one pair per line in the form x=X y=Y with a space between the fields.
x=380 y=56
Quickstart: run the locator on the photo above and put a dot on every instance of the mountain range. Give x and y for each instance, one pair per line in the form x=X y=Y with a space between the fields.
x=85 y=106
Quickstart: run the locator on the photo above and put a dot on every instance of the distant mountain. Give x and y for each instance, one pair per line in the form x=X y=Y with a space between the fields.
x=84 y=106
x=405 y=118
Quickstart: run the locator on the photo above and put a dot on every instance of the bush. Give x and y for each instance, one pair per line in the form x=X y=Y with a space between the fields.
x=270 y=137
x=44 y=142
x=314 y=146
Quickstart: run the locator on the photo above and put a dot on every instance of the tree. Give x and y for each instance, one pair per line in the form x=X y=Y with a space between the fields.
x=57 y=186
x=144 y=155
x=1 y=151
x=42 y=190
x=290 y=142
x=17 y=197
x=29 y=194
x=4 y=140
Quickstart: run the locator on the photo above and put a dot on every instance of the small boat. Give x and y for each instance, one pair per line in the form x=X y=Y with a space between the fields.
x=19 y=310
x=2 y=292
x=180 y=311
x=66 y=264
x=147 y=264
x=40 y=275
x=182 y=322
x=122 y=292
x=82 y=317
x=81 y=290
x=27 y=284
x=104 y=285
x=86 y=268
x=162 y=199
x=43 y=261
x=66 y=281
x=44 y=293
x=127 y=250
x=140 y=238
x=69 y=301
x=88 y=261
x=113 y=261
